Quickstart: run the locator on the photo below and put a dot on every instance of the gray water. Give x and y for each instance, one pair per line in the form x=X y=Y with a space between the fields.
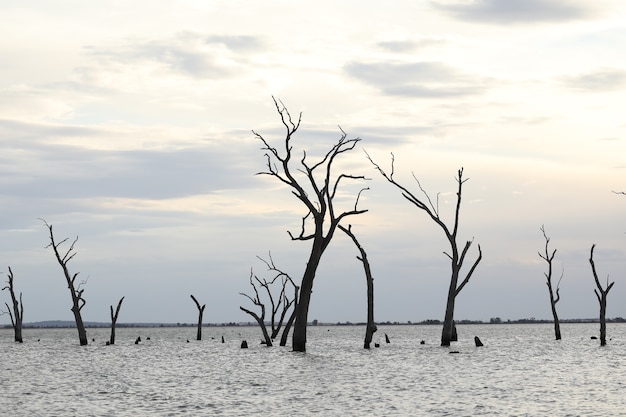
x=521 y=371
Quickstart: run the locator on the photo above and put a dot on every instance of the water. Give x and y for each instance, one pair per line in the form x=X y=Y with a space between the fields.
x=521 y=371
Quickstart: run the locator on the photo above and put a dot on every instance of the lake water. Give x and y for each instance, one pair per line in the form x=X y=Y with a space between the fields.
x=521 y=371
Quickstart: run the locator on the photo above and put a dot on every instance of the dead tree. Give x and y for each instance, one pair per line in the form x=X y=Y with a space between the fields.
x=256 y=300
x=16 y=313
x=114 y=320
x=554 y=297
x=317 y=192
x=370 y=328
x=78 y=302
x=601 y=294
x=200 y=313
x=281 y=304
x=457 y=255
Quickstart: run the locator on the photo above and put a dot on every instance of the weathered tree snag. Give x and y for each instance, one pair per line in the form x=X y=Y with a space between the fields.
x=114 y=316
x=457 y=256
x=282 y=303
x=318 y=198
x=370 y=328
x=200 y=313
x=601 y=295
x=549 y=257
x=16 y=313
x=78 y=302
x=256 y=300
x=292 y=317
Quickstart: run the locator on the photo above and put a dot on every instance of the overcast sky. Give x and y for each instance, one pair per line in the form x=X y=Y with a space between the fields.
x=129 y=125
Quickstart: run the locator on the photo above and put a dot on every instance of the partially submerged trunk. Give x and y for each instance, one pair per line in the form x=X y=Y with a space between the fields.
x=549 y=257
x=16 y=312
x=601 y=294
x=114 y=316
x=78 y=302
x=200 y=314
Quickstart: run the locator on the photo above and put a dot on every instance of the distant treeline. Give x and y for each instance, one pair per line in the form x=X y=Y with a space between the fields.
x=60 y=324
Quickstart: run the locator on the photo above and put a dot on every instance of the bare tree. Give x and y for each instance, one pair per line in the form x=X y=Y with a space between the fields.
x=601 y=294
x=78 y=302
x=370 y=328
x=554 y=298
x=457 y=255
x=256 y=300
x=317 y=192
x=200 y=314
x=114 y=316
x=280 y=304
x=16 y=313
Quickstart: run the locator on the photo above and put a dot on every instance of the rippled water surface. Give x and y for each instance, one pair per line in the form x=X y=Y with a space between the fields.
x=521 y=371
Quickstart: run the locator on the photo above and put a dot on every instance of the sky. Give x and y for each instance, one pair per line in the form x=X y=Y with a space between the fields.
x=129 y=125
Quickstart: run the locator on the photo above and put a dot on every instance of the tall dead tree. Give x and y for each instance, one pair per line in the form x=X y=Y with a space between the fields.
x=601 y=294
x=78 y=302
x=200 y=314
x=114 y=316
x=16 y=312
x=457 y=255
x=315 y=185
x=554 y=296
x=370 y=328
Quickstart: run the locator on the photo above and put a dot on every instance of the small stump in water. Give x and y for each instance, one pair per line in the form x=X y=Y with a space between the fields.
x=244 y=345
x=478 y=342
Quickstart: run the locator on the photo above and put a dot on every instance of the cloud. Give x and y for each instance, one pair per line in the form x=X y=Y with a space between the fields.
x=601 y=80
x=505 y=12
x=419 y=79
x=187 y=53
x=409 y=45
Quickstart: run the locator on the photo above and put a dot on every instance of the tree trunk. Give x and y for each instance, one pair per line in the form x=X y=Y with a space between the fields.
x=448 y=333
x=557 y=326
x=114 y=320
x=306 y=288
x=603 y=320
x=18 y=309
x=80 y=326
x=200 y=314
x=292 y=317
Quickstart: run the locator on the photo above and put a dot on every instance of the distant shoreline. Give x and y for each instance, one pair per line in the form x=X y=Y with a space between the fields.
x=65 y=324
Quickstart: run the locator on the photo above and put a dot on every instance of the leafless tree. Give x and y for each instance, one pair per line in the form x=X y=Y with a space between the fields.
x=554 y=297
x=16 y=313
x=457 y=255
x=256 y=300
x=114 y=316
x=280 y=304
x=78 y=302
x=200 y=314
x=315 y=185
x=370 y=328
x=601 y=294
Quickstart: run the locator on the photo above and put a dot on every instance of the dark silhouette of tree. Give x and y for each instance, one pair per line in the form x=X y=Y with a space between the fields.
x=554 y=298
x=200 y=314
x=457 y=255
x=114 y=316
x=256 y=300
x=16 y=312
x=315 y=185
x=78 y=302
x=601 y=294
x=370 y=328
x=280 y=304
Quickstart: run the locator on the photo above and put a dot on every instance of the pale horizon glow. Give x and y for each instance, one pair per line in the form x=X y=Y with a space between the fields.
x=129 y=125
